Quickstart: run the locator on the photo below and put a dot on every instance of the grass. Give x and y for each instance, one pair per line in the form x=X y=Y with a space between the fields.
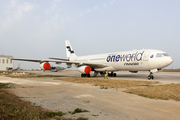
x=170 y=70
x=78 y=110
x=103 y=87
x=110 y=83
x=82 y=118
x=12 y=108
x=142 y=88
x=165 y=92
x=13 y=74
x=32 y=75
x=6 y=85
x=54 y=114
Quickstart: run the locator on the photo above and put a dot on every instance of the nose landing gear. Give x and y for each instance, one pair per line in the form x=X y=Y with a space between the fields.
x=150 y=76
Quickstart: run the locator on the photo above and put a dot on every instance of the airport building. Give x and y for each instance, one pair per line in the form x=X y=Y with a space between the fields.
x=5 y=63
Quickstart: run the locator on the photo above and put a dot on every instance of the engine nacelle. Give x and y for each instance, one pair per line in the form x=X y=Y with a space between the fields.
x=45 y=66
x=84 y=69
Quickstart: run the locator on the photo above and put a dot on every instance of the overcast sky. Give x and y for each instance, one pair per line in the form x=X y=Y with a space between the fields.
x=38 y=28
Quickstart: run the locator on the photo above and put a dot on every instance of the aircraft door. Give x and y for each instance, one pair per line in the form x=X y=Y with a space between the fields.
x=146 y=56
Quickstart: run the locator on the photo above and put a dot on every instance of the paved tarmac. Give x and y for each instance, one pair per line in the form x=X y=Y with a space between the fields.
x=102 y=104
x=165 y=77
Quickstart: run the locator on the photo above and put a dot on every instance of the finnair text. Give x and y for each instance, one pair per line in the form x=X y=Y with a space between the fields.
x=125 y=57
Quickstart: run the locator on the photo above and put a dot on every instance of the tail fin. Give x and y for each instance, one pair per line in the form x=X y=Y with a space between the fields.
x=69 y=51
x=19 y=66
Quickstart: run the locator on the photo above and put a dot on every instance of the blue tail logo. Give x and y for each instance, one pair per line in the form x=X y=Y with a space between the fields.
x=69 y=49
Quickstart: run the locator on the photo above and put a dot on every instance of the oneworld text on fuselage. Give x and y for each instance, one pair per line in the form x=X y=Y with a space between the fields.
x=125 y=57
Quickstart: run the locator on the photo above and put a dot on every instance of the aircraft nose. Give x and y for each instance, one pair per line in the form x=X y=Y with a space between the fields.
x=169 y=61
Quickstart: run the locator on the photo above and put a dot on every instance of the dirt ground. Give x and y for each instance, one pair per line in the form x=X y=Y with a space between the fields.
x=102 y=104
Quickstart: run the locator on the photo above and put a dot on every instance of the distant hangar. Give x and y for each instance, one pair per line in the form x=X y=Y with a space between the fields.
x=5 y=62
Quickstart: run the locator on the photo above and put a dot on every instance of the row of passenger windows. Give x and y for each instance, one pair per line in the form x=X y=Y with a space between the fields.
x=161 y=54
x=5 y=61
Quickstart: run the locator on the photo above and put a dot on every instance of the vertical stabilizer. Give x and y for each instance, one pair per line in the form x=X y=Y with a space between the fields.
x=69 y=51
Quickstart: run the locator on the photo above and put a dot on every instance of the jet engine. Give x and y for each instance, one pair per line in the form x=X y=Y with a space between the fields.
x=85 y=69
x=45 y=66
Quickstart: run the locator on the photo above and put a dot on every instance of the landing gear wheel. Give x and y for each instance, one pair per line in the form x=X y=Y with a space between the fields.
x=85 y=75
x=109 y=75
x=82 y=75
x=150 y=77
x=112 y=74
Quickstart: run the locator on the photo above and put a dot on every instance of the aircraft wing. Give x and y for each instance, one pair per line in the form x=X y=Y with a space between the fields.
x=33 y=60
x=59 y=59
x=93 y=65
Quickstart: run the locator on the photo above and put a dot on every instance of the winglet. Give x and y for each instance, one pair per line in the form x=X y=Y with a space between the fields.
x=69 y=51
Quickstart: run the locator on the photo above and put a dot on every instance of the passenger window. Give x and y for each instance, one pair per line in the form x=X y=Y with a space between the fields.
x=161 y=54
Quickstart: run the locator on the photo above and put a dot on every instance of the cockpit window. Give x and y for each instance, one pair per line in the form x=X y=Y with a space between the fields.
x=161 y=54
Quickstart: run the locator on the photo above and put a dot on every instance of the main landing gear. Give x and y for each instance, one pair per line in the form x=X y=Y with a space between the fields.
x=106 y=73
x=112 y=74
x=150 y=76
x=85 y=75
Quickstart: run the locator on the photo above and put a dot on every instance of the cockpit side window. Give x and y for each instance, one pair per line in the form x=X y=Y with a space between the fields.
x=165 y=54
x=161 y=54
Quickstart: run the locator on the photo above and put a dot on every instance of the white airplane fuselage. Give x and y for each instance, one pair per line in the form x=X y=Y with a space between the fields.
x=136 y=60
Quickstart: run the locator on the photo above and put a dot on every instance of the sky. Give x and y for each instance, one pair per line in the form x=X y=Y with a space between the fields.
x=37 y=29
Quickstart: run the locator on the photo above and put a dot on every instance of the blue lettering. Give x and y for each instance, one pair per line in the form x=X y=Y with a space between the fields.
x=128 y=57
x=117 y=58
x=125 y=57
x=113 y=58
x=139 y=56
x=108 y=58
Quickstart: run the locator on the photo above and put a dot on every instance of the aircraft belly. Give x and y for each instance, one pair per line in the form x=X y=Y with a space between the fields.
x=105 y=69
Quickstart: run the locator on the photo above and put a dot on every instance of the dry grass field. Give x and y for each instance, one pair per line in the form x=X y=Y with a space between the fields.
x=170 y=70
x=165 y=92
x=18 y=74
x=149 y=89
x=110 y=83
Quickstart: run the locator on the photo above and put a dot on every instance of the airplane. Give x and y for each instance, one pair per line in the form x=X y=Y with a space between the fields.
x=133 y=61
